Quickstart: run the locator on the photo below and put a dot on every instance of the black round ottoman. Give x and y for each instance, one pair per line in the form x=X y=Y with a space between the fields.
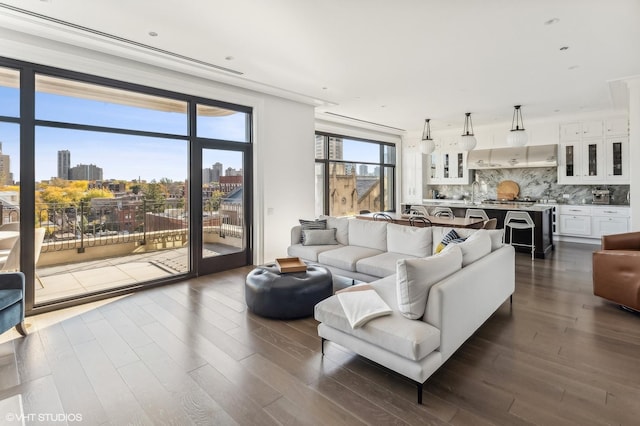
x=286 y=296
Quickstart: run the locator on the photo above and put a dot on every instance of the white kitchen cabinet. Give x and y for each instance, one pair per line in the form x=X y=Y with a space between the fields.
x=575 y=221
x=448 y=165
x=593 y=221
x=570 y=163
x=617 y=159
x=606 y=220
x=412 y=175
x=588 y=157
x=616 y=127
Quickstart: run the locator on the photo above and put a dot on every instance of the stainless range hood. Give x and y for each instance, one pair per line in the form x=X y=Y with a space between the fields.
x=511 y=158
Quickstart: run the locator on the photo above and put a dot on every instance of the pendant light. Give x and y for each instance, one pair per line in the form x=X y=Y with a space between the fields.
x=517 y=136
x=428 y=146
x=467 y=141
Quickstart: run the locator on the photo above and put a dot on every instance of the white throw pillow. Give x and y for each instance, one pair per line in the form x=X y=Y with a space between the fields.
x=342 y=228
x=416 y=276
x=409 y=240
x=319 y=237
x=475 y=247
x=496 y=238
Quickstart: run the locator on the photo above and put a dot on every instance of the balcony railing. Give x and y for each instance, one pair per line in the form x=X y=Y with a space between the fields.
x=105 y=222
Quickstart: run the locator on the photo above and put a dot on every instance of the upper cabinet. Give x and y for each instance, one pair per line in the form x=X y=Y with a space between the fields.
x=594 y=152
x=447 y=164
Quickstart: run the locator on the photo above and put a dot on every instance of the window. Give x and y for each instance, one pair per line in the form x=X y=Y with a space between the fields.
x=353 y=175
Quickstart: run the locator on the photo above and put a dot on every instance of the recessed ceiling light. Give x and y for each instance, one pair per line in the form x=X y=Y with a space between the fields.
x=556 y=110
x=383 y=106
x=153 y=34
x=564 y=48
x=229 y=58
x=324 y=88
x=551 y=21
x=573 y=67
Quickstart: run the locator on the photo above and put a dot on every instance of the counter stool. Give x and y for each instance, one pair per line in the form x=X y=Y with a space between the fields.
x=476 y=213
x=520 y=220
x=419 y=210
x=442 y=212
x=419 y=221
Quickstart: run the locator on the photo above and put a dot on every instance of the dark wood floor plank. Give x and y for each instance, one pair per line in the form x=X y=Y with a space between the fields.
x=118 y=400
x=159 y=405
x=75 y=390
x=314 y=403
x=200 y=408
x=231 y=397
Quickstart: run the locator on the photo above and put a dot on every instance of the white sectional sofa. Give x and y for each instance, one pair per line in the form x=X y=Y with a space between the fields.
x=437 y=300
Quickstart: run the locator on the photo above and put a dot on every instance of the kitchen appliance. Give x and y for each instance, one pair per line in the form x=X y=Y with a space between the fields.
x=600 y=196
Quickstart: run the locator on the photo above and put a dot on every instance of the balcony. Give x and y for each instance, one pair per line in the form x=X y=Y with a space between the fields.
x=92 y=247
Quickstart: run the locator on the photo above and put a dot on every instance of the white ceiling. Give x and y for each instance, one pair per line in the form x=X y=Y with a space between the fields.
x=394 y=63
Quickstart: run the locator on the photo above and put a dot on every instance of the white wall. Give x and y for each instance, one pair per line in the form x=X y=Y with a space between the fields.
x=283 y=130
x=634 y=150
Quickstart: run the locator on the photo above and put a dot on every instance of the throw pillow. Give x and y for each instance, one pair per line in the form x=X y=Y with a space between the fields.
x=475 y=247
x=451 y=237
x=319 y=237
x=311 y=224
x=416 y=276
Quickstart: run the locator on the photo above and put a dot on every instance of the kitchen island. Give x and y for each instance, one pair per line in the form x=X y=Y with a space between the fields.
x=542 y=216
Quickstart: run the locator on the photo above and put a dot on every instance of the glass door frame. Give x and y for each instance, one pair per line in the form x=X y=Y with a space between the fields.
x=207 y=265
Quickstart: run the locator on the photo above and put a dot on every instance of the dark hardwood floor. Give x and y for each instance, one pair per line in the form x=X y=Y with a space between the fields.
x=190 y=353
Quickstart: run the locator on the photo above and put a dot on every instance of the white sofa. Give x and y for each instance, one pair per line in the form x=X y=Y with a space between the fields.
x=451 y=301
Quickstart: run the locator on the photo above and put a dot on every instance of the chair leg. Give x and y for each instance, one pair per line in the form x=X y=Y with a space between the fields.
x=22 y=328
x=39 y=280
x=322 y=344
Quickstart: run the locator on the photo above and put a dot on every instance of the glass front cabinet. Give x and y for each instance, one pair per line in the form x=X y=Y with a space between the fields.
x=600 y=158
x=448 y=167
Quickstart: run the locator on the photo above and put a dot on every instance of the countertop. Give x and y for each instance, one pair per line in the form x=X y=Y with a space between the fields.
x=533 y=206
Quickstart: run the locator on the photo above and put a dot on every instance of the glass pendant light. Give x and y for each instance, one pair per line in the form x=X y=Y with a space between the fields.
x=468 y=141
x=517 y=136
x=428 y=146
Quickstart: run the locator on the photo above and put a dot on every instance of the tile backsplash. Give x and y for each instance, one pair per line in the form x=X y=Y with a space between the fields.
x=535 y=183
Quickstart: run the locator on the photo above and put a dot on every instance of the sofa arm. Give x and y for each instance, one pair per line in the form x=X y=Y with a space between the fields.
x=626 y=241
x=296 y=234
x=12 y=281
x=616 y=276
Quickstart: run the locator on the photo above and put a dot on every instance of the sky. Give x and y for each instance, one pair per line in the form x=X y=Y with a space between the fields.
x=127 y=157
x=120 y=156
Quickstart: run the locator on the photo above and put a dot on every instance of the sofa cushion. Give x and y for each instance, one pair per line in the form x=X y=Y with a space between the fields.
x=319 y=237
x=450 y=237
x=311 y=224
x=368 y=233
x=342 y=228
x=410 y=339
x=309 y=252
x=475 y=247
x=381 y=265
x=416 y=276
x=346 y=257
x=409 y=240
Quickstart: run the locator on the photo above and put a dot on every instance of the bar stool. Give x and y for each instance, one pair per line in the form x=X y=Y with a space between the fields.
x=422 y=221
x=476 y=213
x=442 y=212
x=520 y=220
x=419 y=210
x=382 y=216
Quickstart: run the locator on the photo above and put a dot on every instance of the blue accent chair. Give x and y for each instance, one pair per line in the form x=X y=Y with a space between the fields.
x=12 y=302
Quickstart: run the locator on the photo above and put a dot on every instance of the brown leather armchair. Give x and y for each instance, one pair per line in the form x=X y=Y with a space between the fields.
x=616 y=269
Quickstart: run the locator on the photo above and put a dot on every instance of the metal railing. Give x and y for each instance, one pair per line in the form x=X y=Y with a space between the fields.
x=105 y=222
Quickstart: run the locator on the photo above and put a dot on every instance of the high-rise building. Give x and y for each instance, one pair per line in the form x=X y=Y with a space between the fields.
x=363 y=170
x=5 y=168
x=85 y=172
x=335 y=147
x=64 y=164
x=216 y=172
